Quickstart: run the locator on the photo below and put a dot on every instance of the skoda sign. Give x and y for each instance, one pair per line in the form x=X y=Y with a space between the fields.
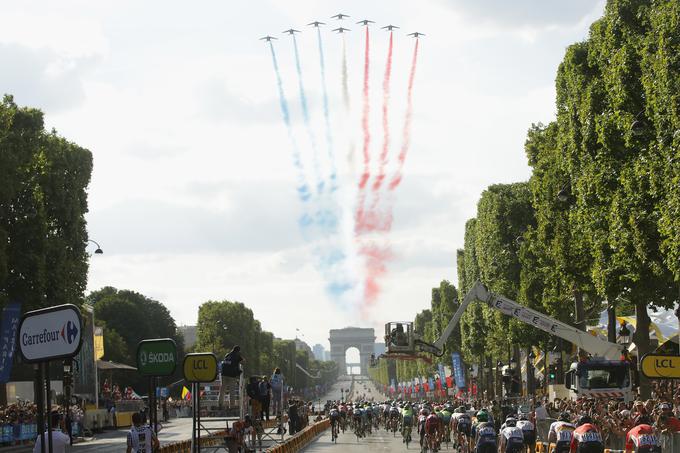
x=200 y=367
x=50 y=333
x=157 y=357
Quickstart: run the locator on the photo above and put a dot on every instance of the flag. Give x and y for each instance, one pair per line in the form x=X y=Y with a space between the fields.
x=186 y=394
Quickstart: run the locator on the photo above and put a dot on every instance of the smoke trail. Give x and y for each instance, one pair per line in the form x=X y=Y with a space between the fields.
x=303 y=187
x=366 y=174
x=345 y=84
x=396 y=179
x=376 y=257
x=326 y=114
x=364 y=120
x=385 y=123
x=305 y=117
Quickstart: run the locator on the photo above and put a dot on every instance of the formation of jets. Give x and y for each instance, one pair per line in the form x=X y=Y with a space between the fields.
x=340 y=16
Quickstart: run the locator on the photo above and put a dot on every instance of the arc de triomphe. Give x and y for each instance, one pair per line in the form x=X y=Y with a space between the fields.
x=343 y=339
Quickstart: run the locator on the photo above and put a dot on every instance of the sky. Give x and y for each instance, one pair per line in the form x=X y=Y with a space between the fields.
x=193 y=194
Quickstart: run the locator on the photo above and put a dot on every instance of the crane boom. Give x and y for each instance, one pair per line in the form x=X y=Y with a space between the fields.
x=584 y=340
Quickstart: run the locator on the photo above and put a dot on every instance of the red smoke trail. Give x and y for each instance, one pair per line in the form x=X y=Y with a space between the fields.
x=364 y=119
x=375 y=268
x=366 y=174
x=396 y=179
x=385 y=123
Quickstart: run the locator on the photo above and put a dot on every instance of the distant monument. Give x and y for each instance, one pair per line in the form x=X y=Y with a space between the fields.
x=343 y=339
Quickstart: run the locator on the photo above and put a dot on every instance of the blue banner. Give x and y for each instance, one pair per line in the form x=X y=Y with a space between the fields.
x=442 y=375
x=458 y=371
x=11 y=315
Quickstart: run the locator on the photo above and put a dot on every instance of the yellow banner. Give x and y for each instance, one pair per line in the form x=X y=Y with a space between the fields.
x=200 y=367
x=98 y=343
x=661 y=366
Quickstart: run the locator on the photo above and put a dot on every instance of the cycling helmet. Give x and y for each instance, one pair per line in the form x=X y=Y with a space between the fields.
x=482 y=416
x=642 y=420
x=565 y=417
x=522 y=416
x=424 y=412
x=583 y=419
x=511 y=421
x=461 y=410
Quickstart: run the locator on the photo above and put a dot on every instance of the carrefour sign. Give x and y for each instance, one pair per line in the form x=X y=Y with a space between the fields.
x=157 y=357
x=50 y=333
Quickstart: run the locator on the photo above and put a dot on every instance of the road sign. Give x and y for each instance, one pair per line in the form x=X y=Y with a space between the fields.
x=200 y=367
x=657 y=366
x=157 y=357
x=50 y=333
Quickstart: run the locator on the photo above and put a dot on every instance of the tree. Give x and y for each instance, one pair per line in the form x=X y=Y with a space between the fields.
x=119 y=311
x=504 y=213
x=43 y=200
x=613 y=155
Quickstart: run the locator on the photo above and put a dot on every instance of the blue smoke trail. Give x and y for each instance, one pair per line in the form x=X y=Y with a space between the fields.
x=305 y=117
x=303 y=188
x=329 y=136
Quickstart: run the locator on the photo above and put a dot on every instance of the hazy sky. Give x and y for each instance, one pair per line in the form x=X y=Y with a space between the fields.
x=193 y=191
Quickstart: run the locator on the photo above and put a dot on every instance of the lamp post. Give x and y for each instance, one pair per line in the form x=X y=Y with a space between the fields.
x=530 y=374
x=98 y=250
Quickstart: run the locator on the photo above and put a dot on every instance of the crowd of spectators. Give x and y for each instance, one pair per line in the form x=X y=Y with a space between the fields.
x=18 y=413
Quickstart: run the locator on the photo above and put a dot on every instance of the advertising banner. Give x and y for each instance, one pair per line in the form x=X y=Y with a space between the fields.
x=200 y=367
x=442 y=375
x=458 y=371
x=11 y=315
x=157 y=357
x=50 y=333
x=98 y=343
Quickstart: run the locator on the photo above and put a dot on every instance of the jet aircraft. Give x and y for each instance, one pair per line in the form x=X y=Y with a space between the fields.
x=339 y=16
x=341 y=30
x=365 y=22
x=389 y=27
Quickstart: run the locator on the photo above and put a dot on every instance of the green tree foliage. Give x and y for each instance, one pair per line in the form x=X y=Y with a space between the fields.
x=600 y=217
x=128 y=318
x=619 y=138
x=224 y=324
x=43 y=201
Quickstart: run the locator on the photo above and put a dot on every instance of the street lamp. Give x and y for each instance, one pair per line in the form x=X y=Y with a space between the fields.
x=99 y=250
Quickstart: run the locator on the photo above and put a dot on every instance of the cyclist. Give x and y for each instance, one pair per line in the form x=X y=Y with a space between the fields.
x=343 y=416
x=484 y=433
x=642 y=437
x=432 y=430
x=334 y=416
x=445 y=417
x=561 y=432
x=587 y=438
x=393 y=420
x=406 y=422
x=528 y=432
x=366 y=418
x=422 y=417
x=512 y=439
x=357 y=416
x=462 y=425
